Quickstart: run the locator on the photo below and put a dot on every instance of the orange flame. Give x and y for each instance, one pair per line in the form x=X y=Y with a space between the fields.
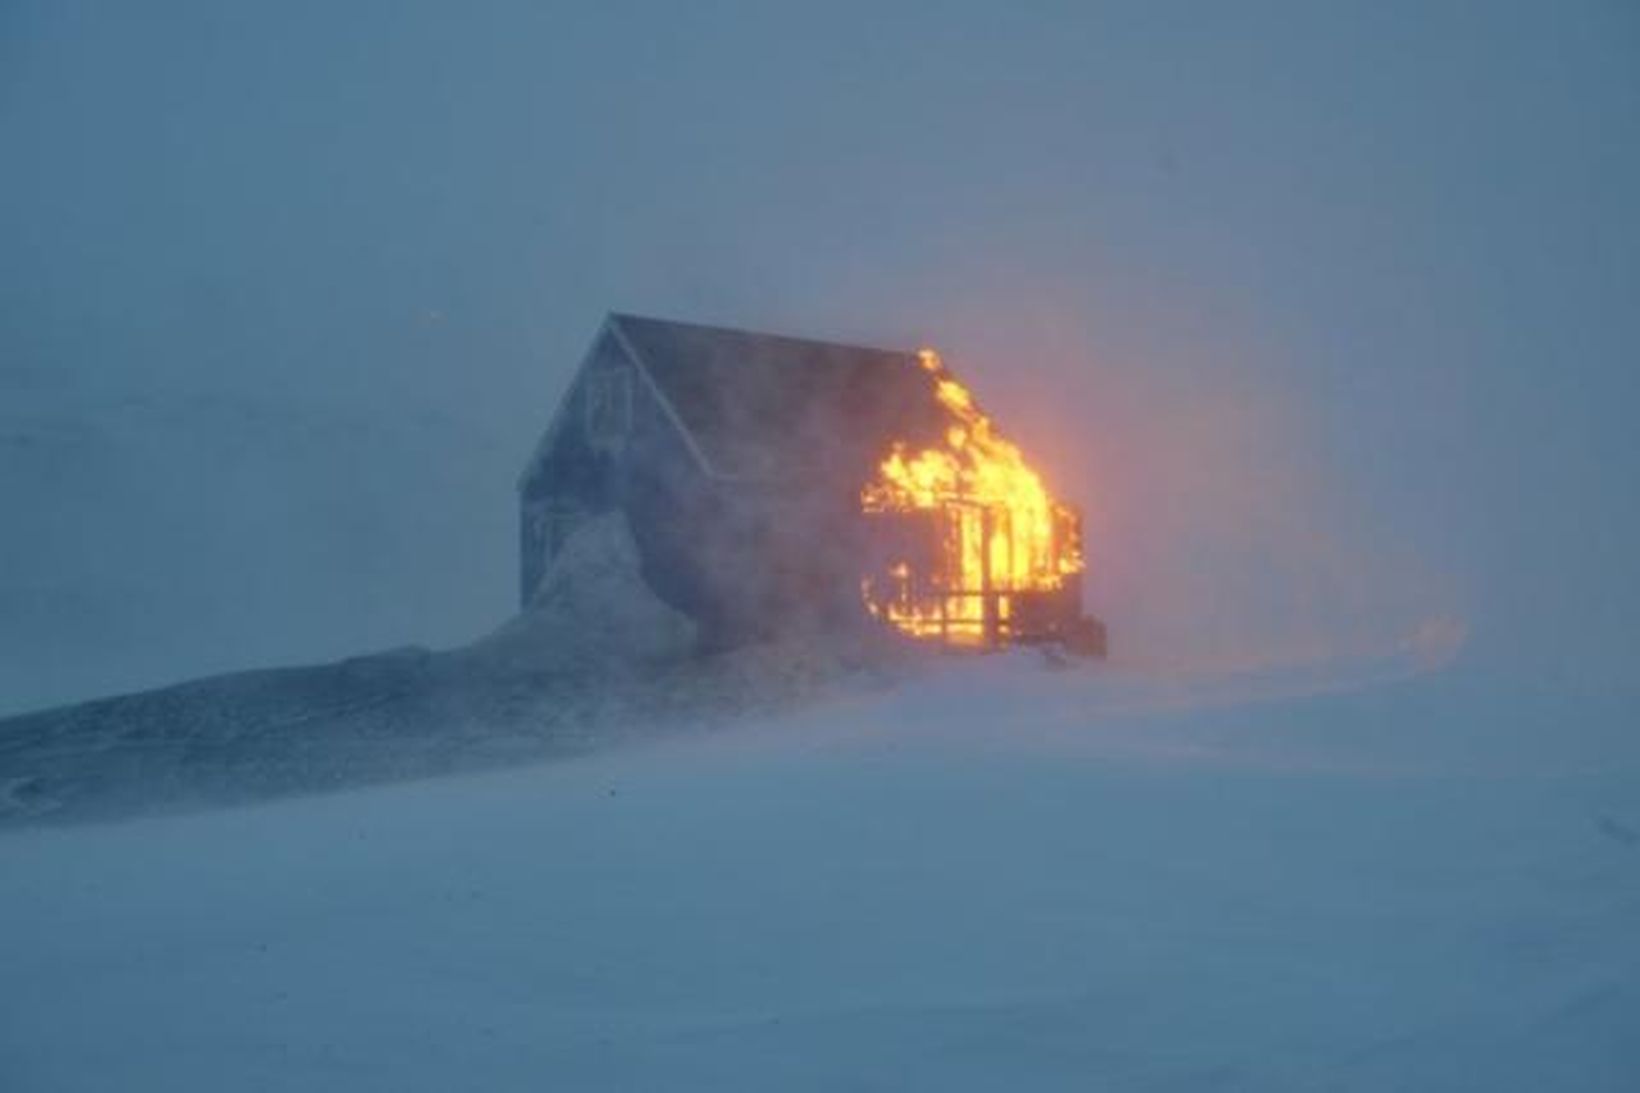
x=1003 y=532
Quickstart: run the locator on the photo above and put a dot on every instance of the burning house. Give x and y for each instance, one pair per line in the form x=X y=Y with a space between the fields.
x=767 y=479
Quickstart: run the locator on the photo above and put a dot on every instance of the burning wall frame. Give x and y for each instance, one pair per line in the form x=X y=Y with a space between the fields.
x=919 y=583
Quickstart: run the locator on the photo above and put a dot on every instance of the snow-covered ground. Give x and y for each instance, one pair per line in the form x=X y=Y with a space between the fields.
x=996 y=877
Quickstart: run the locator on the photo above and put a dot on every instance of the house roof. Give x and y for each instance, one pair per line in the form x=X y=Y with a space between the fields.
x=764 y=406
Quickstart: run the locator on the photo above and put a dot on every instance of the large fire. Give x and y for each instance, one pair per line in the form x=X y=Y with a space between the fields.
x=999 y=538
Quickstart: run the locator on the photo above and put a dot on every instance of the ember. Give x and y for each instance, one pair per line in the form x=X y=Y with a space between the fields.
x=982 y=553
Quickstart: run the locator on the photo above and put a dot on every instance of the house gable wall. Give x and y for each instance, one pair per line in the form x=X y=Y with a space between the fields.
x=736 y=556
x=608 y=420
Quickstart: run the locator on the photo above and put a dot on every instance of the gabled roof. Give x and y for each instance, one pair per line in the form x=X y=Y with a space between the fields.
x=767 y=407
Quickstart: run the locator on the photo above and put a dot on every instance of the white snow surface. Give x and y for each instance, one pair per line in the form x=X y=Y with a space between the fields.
x=994 y=877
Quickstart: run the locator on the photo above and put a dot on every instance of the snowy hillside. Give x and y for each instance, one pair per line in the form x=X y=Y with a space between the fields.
x=963 y=885
x=596 y=660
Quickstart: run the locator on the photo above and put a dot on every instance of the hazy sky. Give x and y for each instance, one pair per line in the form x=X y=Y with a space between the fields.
x=1328 y=312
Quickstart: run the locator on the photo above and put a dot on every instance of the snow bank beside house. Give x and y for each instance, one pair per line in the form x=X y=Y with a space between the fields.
x=592 y=613
x=596 y=661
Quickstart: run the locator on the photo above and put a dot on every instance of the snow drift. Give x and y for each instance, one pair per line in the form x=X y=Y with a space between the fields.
x=595 y=660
